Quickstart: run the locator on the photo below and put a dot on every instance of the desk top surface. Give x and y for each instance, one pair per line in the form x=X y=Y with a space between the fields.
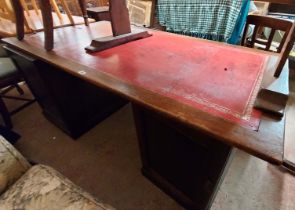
x=207 y=85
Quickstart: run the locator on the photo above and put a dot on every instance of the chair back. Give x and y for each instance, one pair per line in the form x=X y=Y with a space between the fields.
x=274 y=24
x=285 y=46
x=6 y=10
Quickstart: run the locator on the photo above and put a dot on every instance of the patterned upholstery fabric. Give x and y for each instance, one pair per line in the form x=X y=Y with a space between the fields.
x=44 y=188
x=12 y=164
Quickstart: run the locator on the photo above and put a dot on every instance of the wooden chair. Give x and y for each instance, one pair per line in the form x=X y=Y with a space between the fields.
x=55 y=8
x=7 y=16
x=62 y=15
x=48 y=23
x=9 y=79
x=274 y=24
x=6 y=10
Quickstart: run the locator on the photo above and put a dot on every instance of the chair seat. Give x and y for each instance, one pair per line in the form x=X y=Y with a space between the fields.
x=3 y=52
x=7 y=68
x=41 y=187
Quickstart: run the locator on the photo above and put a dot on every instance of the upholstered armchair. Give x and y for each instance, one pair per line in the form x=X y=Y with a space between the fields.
x=27 y=187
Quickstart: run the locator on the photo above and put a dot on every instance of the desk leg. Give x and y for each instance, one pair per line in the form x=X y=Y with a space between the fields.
x=72 y=104
x=185 y=163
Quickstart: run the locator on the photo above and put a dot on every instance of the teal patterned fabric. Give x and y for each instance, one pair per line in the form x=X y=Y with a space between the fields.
x=208 y=19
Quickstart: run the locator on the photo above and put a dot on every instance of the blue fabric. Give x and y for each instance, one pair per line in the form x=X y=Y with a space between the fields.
x=208 y=19
x=236 y=34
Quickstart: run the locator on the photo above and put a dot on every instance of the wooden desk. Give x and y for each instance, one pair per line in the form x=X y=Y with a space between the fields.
x=185 y=149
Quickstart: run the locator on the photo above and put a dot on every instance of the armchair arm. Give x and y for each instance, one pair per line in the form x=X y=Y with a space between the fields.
x=12 y=164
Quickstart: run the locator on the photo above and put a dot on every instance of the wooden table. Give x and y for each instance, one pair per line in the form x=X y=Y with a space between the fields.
x=185 y=146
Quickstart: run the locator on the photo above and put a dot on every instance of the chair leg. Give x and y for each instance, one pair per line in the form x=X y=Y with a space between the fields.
x=19 y=90
x=5 y=114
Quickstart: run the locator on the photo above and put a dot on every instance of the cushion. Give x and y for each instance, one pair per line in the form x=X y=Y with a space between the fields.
x=3 y=182
x=44 y=188
x=8 y=69
x=3 y=52
x=12 y=164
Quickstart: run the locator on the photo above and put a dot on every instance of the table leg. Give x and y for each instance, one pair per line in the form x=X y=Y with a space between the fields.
x=185 y=163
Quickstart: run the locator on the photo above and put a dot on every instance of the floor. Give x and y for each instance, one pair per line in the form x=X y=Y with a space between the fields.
x=106 y=162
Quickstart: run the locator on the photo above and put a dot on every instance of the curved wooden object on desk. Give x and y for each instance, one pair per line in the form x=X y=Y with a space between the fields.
x=82 y=5
x=45 y=7
x=20 y=19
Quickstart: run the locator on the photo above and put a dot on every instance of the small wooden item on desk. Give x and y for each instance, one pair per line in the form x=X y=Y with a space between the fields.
x=121 y=29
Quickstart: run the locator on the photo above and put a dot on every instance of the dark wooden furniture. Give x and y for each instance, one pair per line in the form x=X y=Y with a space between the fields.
x=119 y=18
x=187 y=164
x=282 y=8
x=70 y=103
x=290 y=2
x=45 y=7
x=276 y=25
x=20 y=19
x=184 y=149
x=10 y=76
x=99 y=13
x=82 y=5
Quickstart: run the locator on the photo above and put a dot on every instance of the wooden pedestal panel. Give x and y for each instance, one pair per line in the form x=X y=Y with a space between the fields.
x=70 y=103
x=185 y=163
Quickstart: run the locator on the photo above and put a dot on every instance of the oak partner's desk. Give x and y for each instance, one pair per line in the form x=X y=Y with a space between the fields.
x=185 y=143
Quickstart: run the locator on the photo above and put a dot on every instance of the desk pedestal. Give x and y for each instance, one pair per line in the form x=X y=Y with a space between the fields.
x=72 y=104
x=185 y=163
